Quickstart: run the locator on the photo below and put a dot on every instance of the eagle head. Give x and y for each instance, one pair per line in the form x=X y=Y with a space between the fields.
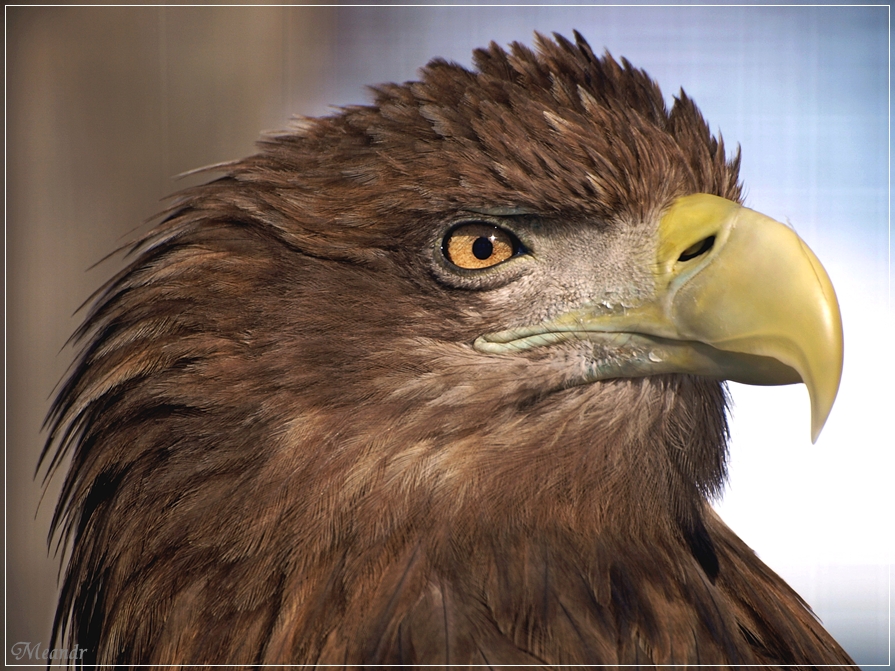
x=440 y=379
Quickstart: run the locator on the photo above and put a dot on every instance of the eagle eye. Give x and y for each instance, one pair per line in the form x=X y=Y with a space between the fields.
x=479 y=245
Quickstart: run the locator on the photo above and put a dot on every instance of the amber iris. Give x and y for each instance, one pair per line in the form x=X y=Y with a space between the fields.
x=475 y=246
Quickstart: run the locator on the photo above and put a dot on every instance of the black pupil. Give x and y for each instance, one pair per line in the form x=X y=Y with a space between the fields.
x=482 y=248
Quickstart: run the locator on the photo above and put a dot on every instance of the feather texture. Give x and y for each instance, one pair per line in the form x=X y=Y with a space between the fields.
x=284 y=448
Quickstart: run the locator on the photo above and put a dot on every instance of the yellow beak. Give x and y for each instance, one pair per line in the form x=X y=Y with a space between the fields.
x=738 y=296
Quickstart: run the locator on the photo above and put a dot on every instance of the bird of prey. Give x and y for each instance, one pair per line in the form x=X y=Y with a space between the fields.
x=440 y=380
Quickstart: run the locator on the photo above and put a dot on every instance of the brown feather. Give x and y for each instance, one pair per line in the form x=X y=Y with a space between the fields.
x=285 y=450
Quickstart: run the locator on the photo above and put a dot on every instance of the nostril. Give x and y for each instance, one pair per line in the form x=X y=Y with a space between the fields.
x=698 y=249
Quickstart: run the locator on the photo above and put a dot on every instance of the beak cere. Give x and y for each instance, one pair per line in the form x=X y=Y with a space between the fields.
x=738 y=296
x=763 y=294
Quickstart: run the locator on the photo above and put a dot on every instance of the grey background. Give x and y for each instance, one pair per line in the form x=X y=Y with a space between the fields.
x=106 y=104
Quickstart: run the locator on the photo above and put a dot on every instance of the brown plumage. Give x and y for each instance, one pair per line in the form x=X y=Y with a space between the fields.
x=285 y=447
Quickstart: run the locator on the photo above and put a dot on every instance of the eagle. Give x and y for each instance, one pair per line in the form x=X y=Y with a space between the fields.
x=440 y=379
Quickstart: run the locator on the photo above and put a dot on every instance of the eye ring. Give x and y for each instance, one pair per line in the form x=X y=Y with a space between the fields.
x=479 y=245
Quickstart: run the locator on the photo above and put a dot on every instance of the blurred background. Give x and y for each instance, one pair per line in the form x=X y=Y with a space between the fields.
x=106 y=104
